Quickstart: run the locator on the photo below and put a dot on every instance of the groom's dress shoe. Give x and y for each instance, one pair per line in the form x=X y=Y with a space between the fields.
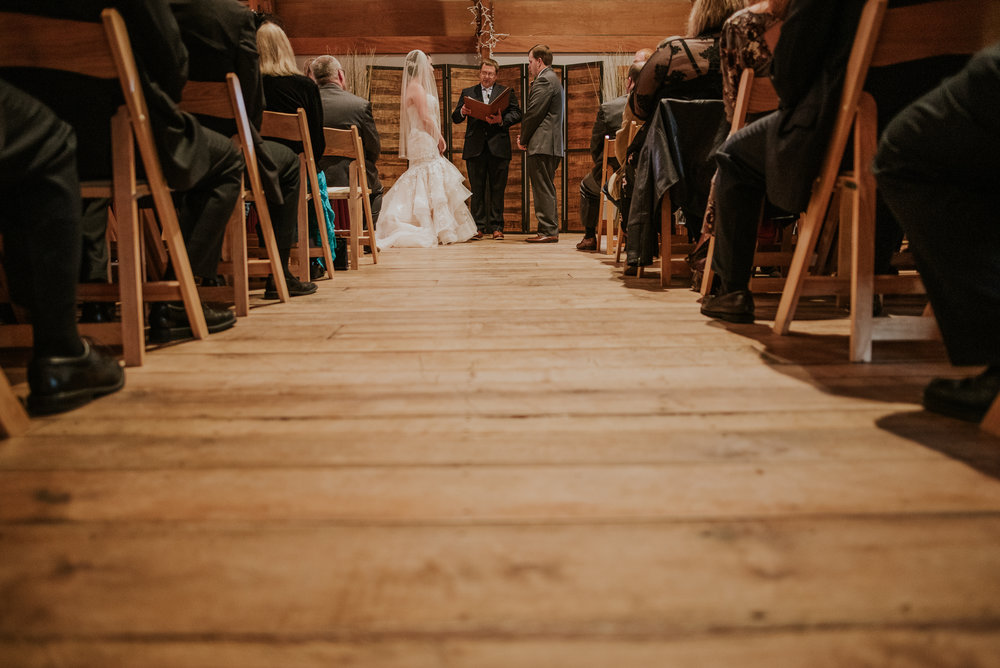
x=966 y=398
x=736 y=306
x=168 y=321
x=542 y=239
x=62 y=383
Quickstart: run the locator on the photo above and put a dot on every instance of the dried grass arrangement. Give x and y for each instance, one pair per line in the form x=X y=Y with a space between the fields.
x=358 y=71
x=615 y=66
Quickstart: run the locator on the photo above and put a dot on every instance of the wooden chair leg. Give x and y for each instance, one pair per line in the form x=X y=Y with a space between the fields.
x=991 y=423
x=863 y=233
x=237 y=232
x=127 y=232
x=14 y=420
x=708 y=275
x=355 y=208
x=666 y=240
x=302 y=251
x=366 y=206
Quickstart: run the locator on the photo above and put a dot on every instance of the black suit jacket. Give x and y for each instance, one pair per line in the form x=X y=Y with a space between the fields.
x=84 y=102
x=221 y=37
x=808 y=73
x=480 y=134
x=609 y=119
x=341 y=110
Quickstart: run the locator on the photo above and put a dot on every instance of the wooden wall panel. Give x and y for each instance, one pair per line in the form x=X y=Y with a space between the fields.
x=445 y=26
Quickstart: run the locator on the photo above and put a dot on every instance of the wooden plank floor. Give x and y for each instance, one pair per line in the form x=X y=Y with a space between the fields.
x=498 y=455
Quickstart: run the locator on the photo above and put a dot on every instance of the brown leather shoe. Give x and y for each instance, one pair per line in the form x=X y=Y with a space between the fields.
x=497 y=234
x=476 y=237
x=542 y=239
x=588 y=244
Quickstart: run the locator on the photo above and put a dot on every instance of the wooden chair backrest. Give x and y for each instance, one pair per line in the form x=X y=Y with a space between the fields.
x=755 y=95
x=945 y=27
x=224 y=99
x=292 y=127
x=347 y=144
x=343 y=143
x=93 y=49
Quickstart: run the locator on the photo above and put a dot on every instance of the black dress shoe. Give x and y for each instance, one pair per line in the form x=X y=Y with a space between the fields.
x=97 y=312
x=168 y=321
x=62 y=383
x=316 y=269
x=296 y=288
x=966 y=398
x=736 y=306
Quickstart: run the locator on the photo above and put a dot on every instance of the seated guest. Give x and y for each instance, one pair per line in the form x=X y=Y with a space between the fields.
x=221 y=37
x=341 y=110
x=781 y=154
x=286 y=90
x=40 y=223
x=747 y=40
x=609 y=119
x=201 y=165
x=937 y=166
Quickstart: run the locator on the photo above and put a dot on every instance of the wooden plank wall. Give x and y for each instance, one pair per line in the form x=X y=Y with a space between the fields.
x=445 y=26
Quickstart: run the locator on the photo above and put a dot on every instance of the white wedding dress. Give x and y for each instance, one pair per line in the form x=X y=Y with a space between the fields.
x=426 y=206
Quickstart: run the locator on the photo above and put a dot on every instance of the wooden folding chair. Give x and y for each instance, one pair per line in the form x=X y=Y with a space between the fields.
x=102 y=50
x=883 y=37
x=224 y=99
x=347 y=144
x=754 y=96
x=295 y=127
x=608 y=213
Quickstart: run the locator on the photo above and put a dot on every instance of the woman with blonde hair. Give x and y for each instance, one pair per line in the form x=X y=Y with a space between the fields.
x=286 y=89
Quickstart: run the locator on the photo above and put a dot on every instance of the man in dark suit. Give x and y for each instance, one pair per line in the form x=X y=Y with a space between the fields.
x=487 y=149
x=40 y=223
x=201 y=165
x=341 y=110
x=780 y=155
x=221 y=37
x=609 y=119
x=937 y=164
x=542 y=137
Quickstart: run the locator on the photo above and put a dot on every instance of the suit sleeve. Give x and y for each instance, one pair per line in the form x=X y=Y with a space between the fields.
x=156 y=42
x=512 y=114
x=802 y=47
x=538 y=105
x=456 y=116
x=597 y=136
x=248 y=71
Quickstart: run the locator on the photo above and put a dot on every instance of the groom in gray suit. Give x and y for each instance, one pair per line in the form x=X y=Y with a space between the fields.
x=542 y=137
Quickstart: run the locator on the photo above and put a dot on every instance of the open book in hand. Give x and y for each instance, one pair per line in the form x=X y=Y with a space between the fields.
x=481 y=110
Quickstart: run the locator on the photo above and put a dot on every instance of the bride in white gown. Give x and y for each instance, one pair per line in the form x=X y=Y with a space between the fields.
x=426 y=206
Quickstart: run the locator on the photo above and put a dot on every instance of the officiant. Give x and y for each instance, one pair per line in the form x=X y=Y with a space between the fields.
x=487 y=149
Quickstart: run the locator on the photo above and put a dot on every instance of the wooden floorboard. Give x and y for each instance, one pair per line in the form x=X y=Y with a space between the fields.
x=493 y=455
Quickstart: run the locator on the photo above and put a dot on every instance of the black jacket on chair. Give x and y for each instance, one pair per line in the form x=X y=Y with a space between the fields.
x=480 y=134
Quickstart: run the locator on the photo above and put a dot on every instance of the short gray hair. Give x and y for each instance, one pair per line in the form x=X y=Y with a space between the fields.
x=325 y=69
